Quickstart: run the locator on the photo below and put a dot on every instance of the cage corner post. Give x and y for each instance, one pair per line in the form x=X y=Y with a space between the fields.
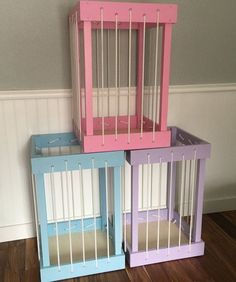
x=165 y=76
x=134 y=207
x=88 y=77
x=42 y=216
x=140 y=77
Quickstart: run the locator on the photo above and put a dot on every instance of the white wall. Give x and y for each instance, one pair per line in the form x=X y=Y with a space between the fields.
x=205 y=110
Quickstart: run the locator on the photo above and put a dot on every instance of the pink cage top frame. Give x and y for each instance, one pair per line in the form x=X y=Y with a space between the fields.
x=115 y=132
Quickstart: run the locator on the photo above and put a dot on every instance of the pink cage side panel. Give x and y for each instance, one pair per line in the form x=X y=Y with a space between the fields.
x=120 y=56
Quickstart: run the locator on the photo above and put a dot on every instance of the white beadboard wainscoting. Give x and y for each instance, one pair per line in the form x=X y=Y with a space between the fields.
x=204 y=110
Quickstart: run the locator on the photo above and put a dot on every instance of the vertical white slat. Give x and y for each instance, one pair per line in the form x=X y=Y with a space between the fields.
x=129 y=72
x=82 y=209
x=43 y=119
x=116 y=75
x=170 y=208
x=148 y=203
x=107 y=211
x=143 y=64
x=55 y=219
x=69 y=216
x=102 y=75
x=192 y=197
x=94 y=214
x=98 y=73
x=124 y=209
x=11 y=159
x=159 y=206
x=53 y=115
x=108 y=73
x=189 y=190
x=155 y=92
x=181 y=198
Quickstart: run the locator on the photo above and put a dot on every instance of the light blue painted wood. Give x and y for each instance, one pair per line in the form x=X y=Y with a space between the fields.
x=44 y=164
x=54 y=140
x=76 y=226
x=102 y=193
x=79 y=269
x=117 y=211
x=42 y=216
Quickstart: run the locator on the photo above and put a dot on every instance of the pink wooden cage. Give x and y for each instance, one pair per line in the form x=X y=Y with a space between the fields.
x=120 y=92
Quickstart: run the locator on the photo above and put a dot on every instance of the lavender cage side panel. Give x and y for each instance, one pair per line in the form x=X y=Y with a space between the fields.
x=184 y=198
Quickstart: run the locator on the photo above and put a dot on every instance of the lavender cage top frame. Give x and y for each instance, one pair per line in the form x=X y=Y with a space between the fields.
x=182 y=142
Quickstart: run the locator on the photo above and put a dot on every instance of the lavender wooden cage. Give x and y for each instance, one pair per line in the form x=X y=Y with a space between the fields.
x=120 y=99
x=76 y=235
x=170 y=230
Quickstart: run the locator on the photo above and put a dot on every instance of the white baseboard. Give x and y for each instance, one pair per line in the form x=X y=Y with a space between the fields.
x=221 y=204
x=17 y=232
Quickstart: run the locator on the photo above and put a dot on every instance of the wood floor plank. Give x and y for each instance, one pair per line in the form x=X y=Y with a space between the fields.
x=114 y=276
x=16 y=258
x=220 y=252
x=231 y=216
x=168 y=271
x=10 y=276
x=31 y=254
x=224 y=223
x=137 y=274
x=31 y=275
x=3 y=259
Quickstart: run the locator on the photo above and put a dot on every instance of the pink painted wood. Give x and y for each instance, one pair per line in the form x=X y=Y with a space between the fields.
x=90 y=11
x=165 y=76
x=94 y=143
x=139 y=74
x=88 y=77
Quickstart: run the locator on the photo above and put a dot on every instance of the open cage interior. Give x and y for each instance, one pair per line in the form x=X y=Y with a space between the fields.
x=166 y=197
x=123 y=88
x=156 y=227
x=79 y=201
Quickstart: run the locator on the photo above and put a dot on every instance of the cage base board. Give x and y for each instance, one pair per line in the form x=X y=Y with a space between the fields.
x=76 y=239
x=69 y=271
x=164 y=255
x=152 y=235
x=98 y=143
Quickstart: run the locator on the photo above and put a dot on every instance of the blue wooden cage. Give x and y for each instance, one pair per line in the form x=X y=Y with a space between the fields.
x=75 y=235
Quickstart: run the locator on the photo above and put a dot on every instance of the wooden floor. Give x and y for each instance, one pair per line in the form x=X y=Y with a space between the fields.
x=18 y=259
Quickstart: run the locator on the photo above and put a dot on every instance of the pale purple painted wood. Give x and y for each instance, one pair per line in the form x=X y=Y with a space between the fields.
x=191 y=143
x=152 y=216
x=185 y=251
x=182 y=143
x=134 y=207
x=197 y=228
x=184 y=225
x=171 y=186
